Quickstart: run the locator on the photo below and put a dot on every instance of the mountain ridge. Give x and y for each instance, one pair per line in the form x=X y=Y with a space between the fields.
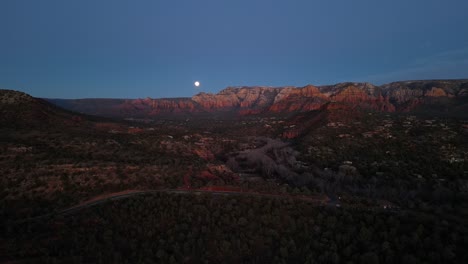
x=403 y=96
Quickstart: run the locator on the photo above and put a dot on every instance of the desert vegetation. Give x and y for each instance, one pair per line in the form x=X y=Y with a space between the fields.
x=391 y=187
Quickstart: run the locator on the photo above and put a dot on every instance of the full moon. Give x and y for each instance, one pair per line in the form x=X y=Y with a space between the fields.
x=197 y=83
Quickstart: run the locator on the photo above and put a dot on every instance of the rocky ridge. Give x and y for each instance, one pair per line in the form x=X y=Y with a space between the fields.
x=398 y=96
x=10 y=97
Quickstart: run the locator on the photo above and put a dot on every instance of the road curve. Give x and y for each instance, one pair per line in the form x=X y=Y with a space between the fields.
x=315 y=200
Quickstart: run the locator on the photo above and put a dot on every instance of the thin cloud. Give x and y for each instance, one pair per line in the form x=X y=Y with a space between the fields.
x=444 y=65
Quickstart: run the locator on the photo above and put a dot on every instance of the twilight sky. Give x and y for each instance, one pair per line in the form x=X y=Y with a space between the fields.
x=158 y=48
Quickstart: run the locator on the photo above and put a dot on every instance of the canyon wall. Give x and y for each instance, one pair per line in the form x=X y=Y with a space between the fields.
x=398 y=96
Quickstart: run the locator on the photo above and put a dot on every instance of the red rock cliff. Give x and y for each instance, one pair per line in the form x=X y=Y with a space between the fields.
x=398 y=96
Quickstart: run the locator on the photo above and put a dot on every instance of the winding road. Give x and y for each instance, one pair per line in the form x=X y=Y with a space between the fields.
x=316 y=200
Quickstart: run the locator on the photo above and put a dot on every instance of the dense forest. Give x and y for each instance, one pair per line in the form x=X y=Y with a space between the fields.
x=338 y=186
x=209 y=228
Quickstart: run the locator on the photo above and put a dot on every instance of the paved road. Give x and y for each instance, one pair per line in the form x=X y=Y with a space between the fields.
x=316 y=200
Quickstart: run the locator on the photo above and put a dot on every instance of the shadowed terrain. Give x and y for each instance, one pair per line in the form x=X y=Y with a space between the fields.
x=333 y=174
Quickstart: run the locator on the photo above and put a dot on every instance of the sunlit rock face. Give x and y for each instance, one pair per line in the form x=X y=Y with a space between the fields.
x=398 y=96
x=298 y=99
x=437 y=92
x=240 y=97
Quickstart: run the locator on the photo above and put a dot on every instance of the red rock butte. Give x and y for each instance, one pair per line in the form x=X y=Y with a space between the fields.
x=398 y=96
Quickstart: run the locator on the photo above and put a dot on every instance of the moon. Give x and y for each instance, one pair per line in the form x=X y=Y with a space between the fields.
x=197 y=83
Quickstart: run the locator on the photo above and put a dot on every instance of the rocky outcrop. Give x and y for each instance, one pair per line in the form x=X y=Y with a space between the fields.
x=291 y=133
x=303 y=99
x=437 y=92
x=410 y=95
x=10 y=97
x=397 y=96
x=240 y=97
x=371 y=98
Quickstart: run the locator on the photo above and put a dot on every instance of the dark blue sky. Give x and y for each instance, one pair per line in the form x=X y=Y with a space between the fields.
x=140 y=48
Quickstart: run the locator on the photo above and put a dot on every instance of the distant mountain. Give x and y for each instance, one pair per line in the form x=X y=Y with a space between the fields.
x=441 y=96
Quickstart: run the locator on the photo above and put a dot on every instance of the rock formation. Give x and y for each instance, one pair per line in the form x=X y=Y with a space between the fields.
x=397 y=96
